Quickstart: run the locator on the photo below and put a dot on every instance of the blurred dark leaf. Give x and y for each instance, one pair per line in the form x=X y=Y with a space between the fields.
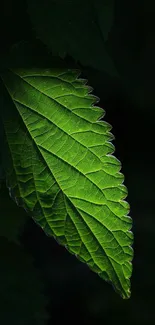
x=78 y=28
x=105 y=15
x=21 y=300
x=13 y=219
x=131 y=45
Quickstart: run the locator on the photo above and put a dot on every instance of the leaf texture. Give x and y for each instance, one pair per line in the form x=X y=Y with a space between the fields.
x=62 y=171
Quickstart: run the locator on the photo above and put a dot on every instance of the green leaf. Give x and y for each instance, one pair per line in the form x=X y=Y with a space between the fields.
x=78 y=28
x=62 y=171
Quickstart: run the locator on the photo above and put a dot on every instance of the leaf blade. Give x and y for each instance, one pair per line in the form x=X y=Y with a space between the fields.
x=74 y=189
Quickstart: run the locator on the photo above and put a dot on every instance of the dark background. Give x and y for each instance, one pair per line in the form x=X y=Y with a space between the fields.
x=40 y=282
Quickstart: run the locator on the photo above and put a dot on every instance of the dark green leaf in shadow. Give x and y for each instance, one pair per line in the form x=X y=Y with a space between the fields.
x=22 y=300
x=78 y=28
